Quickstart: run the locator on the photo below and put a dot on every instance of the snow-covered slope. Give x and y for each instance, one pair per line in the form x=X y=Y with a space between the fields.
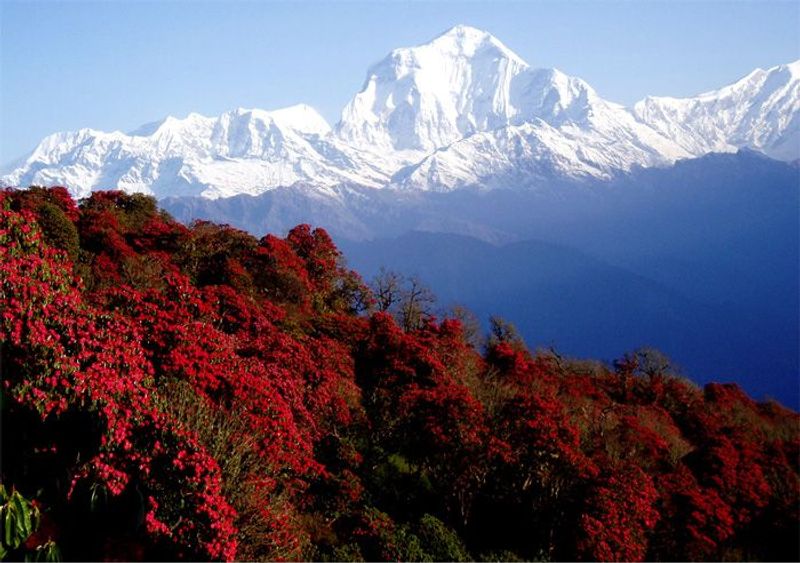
x=425 y=97
x=761 y=111
x=241 y=151
x=528 y=155
x=568 y=131
x=461 y=110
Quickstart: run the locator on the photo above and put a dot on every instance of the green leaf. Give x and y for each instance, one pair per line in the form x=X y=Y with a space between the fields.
x=9 y=526
x=24 y=526
x=36 y=518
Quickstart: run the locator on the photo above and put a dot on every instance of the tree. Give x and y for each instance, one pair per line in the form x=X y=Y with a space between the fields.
x=58 y=230
x=387 y=287
x=407 y=299
x=470 y=324
x=416 y=304
x=619 y=515
x=503 y=331
x=653 y=362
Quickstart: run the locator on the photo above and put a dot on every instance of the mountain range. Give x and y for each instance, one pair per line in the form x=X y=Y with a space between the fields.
x=596 y=228
x=462 y=110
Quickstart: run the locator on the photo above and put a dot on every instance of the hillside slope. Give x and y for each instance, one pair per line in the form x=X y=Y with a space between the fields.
x=174 y=392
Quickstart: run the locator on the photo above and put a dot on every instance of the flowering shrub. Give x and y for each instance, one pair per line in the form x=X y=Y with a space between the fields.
x=174 y=392
x=620 y=513
x=62 y=355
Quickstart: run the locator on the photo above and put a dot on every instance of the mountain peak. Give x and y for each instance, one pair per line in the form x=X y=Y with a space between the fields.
x=792 y=68
x=426 y=97
x=463 y=30
x=758 y=111
x=466 y=34
x=299 y=117
x=465 y=40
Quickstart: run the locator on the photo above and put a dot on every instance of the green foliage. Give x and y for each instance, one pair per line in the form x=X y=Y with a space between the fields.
x=400 y=485
x=207 y=254
x=58 y=230
x=19 y=519
x=503 y=555
x=138 y=209
x=348 y=552
x=382 y=538
x=48 y=552
x=440 y=542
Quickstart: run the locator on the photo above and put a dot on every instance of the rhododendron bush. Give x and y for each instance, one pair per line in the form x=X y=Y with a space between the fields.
x=192 y=392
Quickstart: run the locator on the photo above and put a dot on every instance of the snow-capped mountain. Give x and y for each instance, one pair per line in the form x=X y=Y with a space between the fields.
x=241 y=151
x=466 y=110
x=761 y=111
x=426 y=97
x=460 y=111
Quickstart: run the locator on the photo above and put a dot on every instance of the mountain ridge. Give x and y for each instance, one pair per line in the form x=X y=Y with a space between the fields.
x=462 y=110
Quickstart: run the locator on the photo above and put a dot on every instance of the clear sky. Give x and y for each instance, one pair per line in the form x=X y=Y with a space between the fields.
x=116 y=65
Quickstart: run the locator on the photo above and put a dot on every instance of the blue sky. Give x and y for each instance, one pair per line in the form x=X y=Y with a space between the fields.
x=116 y=65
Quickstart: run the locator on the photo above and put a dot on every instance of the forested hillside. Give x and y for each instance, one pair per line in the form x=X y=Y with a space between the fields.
x=193 y=392
x=698 y=259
